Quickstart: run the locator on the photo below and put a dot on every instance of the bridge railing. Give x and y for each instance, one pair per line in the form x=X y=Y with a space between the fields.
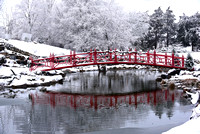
x=94 y=57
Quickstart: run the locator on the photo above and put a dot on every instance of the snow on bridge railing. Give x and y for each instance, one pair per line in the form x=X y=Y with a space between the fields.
x=94 y=57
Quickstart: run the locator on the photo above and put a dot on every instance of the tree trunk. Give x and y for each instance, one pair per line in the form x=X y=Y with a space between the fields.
x=167 y=39
x=156 y=40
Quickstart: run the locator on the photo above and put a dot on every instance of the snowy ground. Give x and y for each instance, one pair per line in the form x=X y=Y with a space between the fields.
x=38 y=49
x=188 y=80
x=13 y=75
x=191 y=126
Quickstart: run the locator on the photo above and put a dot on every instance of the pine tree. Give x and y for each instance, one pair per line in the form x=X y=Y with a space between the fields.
x=194 y=30
x=182 y=32
x=169 y=26
x=156 y=25
x=189 y=63
x=188 y=30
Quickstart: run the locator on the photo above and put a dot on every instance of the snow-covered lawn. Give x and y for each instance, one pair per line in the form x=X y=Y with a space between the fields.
x=38 y=49
x=190 y=127
x=22 y=76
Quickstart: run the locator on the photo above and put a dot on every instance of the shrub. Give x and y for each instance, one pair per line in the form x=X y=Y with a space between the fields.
x=189 y=63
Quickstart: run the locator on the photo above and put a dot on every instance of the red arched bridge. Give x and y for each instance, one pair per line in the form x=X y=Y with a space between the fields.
x=107 y=57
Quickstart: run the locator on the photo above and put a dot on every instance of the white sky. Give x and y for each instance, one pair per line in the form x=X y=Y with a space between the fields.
x=189 y=7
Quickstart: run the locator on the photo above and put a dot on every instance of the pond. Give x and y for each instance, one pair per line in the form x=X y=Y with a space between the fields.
x=90 y=102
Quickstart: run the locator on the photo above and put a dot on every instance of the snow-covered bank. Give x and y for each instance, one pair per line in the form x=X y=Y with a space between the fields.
x=188 y=81
x=37 y=48
x=11 y=77
x=15 y=71
x=190 y=127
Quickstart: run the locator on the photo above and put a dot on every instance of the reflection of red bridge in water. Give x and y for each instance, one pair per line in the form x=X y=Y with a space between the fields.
x=101 y=101
x=107 y=57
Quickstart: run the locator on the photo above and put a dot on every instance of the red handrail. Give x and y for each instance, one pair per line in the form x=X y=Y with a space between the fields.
x=108 y=57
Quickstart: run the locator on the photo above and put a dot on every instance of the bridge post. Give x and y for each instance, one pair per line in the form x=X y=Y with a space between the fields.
x=31 y=65
x=110 y=54
x=90 y=55
x=165 y=59
x=130 y=55
x=74 y=58
x=154 y=57
x=71 y=57
x=115 y=56
x=135 y=56
x=172 y=59
x=52 y=60
x=183 y=64
x=148 y=59
x=95 y=56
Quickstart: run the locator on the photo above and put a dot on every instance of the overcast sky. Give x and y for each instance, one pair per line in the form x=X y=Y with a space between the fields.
x=189 y=7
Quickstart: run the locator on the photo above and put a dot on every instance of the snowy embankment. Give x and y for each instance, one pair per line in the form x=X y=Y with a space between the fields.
x=190 y=127
x=187 y=81
x=38 y=49
x=22 y=77
x=14 y=68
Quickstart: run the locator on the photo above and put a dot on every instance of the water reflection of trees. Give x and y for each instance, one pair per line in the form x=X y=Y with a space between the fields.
x=113 y=82
x=69 y=121
x=48 y=118
x=63 y=113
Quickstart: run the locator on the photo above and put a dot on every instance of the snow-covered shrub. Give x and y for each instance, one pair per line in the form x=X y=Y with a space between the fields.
x=2 y=47
x=189 y=63
x=176 y=60
x=2 y=59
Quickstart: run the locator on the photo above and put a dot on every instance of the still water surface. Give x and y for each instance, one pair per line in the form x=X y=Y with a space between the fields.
x=92 y=101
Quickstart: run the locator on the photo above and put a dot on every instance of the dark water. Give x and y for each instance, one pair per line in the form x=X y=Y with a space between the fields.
x=89 y=102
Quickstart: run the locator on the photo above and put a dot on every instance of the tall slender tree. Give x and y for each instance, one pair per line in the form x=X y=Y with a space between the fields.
x=182 y=32
x=156 y=25
x=169 y=26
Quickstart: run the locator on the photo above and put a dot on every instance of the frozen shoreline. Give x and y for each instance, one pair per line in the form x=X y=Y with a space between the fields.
x=150 y=130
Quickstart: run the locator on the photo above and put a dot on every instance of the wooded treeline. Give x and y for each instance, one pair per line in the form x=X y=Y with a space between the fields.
x=101 y=24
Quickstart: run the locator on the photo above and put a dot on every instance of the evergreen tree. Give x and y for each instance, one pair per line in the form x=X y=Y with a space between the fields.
x=169 y=26
x=194 y=39
x=182 y=32
x=189 y=63
x=156 y=25
x=194 y=30
x=149 y=40
x=188 y=30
